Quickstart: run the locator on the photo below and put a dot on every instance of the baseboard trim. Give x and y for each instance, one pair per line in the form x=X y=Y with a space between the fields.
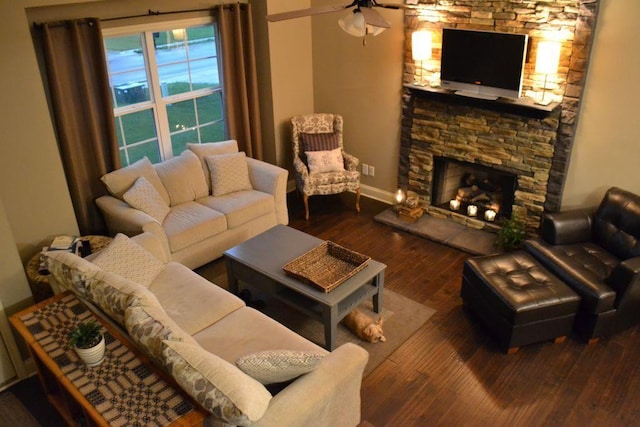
x=365 y=190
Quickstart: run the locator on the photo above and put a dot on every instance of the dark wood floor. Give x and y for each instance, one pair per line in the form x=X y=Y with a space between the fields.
x=450 y=372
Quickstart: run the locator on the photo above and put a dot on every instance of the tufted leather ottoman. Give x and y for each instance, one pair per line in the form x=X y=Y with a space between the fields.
x=518 y=299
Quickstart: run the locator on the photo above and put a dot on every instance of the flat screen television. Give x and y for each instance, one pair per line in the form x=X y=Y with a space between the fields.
x=483 y=64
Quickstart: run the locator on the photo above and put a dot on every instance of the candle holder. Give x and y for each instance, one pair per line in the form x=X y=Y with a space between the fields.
x=454 y=204
x=490 y=215
x=472 y=210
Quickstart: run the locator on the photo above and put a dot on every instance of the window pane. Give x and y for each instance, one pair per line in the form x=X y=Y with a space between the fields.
x=127 y=73
x=204 y=73
x=179 y=140
x=212 y=133
x=147 y=149
x=182 y=115
x=174 y=79
x=209 y=108
x=168 y=49
x=138 y=126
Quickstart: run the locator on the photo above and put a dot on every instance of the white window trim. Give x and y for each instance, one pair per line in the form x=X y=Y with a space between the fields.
x=160 y=114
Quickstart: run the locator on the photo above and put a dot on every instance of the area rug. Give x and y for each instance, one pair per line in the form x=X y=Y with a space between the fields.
x=401 y=318
x=13 y=413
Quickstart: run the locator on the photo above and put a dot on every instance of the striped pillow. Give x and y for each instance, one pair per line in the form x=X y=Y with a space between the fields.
x=319 y=141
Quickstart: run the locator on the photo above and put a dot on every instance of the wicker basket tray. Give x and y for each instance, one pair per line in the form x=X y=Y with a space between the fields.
x=326 y=266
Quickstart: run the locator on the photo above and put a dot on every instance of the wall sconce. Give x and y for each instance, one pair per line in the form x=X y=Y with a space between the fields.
x=420 y=51
x=547 y=60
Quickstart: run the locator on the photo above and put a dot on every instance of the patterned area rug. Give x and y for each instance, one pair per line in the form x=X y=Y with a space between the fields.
x=401 y=318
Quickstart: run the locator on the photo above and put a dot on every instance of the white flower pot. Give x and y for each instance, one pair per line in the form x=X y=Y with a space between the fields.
x=92 y=356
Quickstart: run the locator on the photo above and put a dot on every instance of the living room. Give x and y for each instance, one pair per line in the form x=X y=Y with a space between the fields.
x=364 y=84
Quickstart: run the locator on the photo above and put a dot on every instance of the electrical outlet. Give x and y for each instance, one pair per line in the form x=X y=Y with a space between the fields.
x=372 y=171
x=365 y=169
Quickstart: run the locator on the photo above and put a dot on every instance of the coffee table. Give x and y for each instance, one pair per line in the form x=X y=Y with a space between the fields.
x=258 y=262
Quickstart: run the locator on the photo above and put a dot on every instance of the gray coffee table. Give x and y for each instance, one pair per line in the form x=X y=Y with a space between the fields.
x=259 y=261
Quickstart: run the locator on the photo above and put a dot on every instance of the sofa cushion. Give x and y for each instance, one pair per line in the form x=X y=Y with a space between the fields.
x=70 y=271
x=229 y=173
x=277 y=366
x=241 y=339
x=183 y=178
x=191 y=223
x=212 y=149
x=241 y=207
x=148 y=326
x=325 y=161
x=120 y=180
x=143 y=196
x=114 y=294
x=125 y=257
x=190 y=300
x=319 y=141
x=217 y=385
x=615 y=224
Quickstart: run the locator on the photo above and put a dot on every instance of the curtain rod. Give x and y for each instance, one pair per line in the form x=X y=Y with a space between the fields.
x=149 y=13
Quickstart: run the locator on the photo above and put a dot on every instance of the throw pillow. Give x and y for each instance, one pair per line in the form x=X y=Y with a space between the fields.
x=229 y=173
x=143 y=196
x=183 y=178
x=212 y=149
x=149 y=326
x=120 y=180
x=216 y=384
x=125 y=257
x=114 y=294
x=276 y=366
x=325 y=161
x=70 y=271
x=319 y=141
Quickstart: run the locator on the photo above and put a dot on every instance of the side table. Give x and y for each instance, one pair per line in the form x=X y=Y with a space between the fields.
x=39 y=283
x=125 y=389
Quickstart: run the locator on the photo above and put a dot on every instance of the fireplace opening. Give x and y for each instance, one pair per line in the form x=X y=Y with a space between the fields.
x=473 y=190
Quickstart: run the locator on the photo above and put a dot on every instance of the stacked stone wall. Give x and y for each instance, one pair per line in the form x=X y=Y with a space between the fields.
x=541 y=147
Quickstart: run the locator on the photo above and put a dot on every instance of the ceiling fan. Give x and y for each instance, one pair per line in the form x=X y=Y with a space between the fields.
x=364 y=19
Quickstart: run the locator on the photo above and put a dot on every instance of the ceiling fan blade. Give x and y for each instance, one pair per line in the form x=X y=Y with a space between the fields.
x=372 y=17
x=306 y=12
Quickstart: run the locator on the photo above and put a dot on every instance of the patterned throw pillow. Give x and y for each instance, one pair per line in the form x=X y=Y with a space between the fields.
x=216 y=384
x=325 y=161
x=229 y=173
x=128 y=259
x=276 y=366
x=143 y=196
x=120 y=180
x=114 y=294
x=70 y=271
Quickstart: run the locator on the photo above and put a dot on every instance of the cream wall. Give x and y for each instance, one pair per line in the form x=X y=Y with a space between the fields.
x=364 y=84
x=607 y=146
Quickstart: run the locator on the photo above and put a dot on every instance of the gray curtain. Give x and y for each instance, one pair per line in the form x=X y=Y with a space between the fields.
x=82 y=112
x=240 y=77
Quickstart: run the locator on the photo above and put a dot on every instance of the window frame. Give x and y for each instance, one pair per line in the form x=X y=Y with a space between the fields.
x=157 y=103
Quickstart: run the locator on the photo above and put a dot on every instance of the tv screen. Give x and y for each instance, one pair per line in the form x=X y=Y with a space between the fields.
x=483 y=64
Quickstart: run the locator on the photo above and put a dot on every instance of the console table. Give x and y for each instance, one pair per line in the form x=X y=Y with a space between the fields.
x=125 y=389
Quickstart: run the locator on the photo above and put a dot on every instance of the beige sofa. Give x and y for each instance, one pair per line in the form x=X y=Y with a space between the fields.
x=200 y=203
x=202 y=334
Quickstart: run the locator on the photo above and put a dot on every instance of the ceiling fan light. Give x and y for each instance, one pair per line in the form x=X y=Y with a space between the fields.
x=353 y=24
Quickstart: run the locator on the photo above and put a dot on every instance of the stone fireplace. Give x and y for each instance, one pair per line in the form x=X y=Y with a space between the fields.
x=528 y=143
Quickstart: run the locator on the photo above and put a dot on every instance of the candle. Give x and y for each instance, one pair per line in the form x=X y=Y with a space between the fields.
x=490 y=215
x=454 y=205
x=472 y=210
x=400 y=196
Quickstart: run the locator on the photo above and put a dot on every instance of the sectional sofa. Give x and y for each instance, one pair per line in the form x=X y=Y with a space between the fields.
x=240 y=365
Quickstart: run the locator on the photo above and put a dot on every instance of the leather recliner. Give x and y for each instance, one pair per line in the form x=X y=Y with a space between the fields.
x=598 y=255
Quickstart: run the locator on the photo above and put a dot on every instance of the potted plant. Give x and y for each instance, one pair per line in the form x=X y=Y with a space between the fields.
x=88 y=342
x=512 y=234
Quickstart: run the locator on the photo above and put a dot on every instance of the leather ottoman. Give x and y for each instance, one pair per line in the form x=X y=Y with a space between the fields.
x=518 y=300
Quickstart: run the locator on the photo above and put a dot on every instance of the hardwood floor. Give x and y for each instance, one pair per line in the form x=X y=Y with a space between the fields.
x=450 y=372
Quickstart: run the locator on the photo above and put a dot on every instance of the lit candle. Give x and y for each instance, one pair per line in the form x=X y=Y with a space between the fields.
x=472 y=210
x=454 y=205
x=400 y=196
x=490 y=215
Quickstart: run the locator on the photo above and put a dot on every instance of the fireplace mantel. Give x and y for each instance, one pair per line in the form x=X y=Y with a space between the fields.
x=522 y=106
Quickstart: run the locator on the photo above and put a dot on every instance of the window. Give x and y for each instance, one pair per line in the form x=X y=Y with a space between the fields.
x=165 y=87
